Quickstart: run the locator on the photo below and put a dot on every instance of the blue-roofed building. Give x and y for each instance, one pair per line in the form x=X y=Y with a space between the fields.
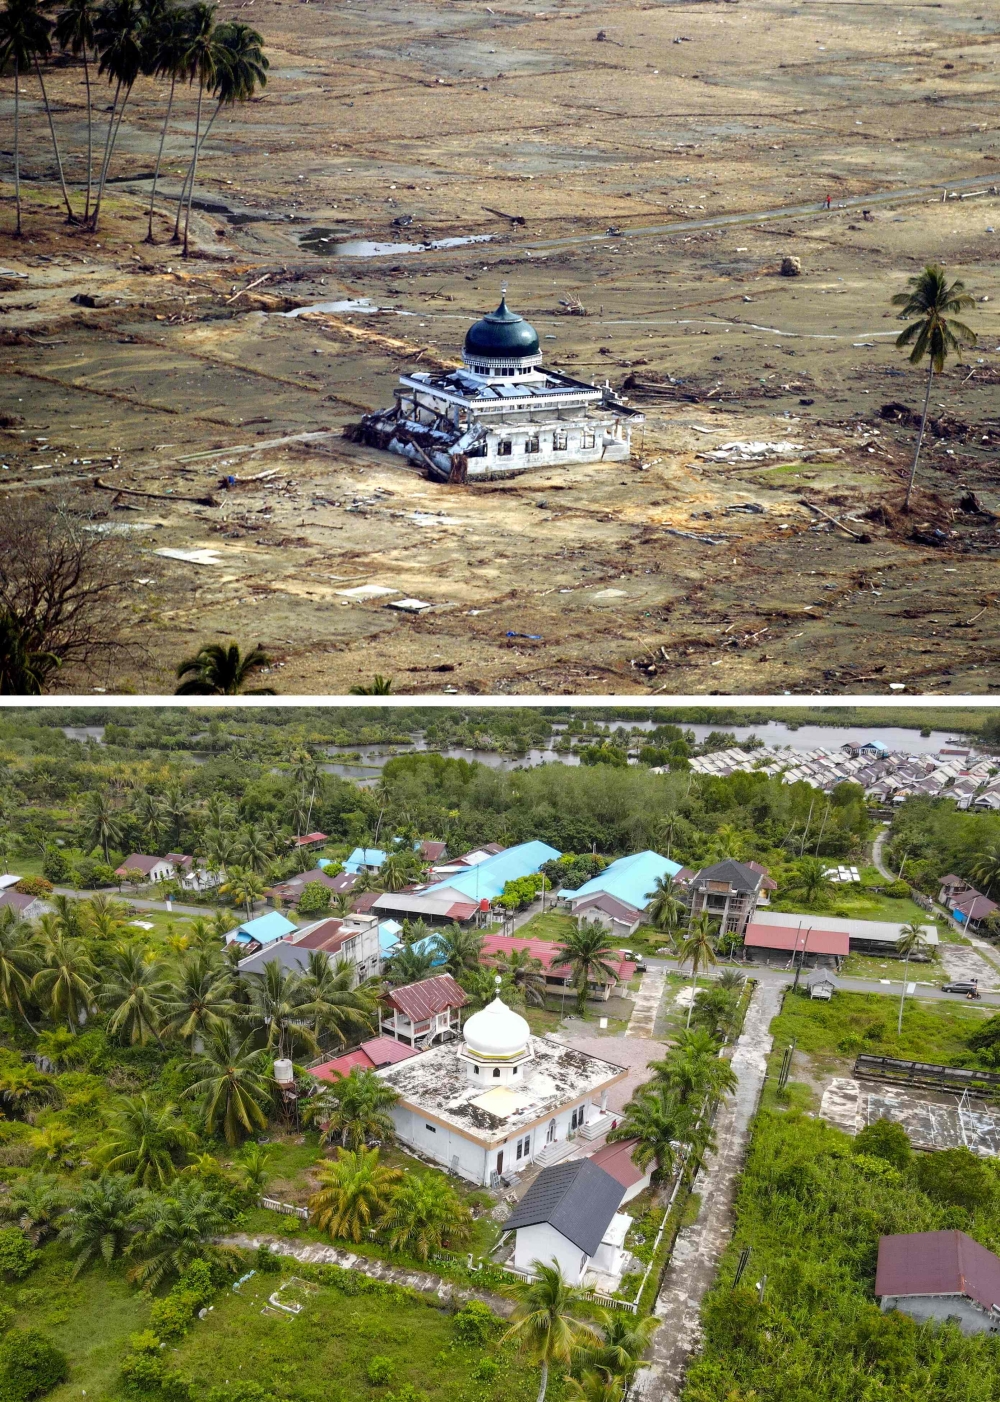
x=618 y=896
x=364 y=859
x=265 y=929
x=486 y=880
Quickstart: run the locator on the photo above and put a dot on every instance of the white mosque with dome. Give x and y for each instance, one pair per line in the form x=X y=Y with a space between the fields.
x=502 y=412
x=488 y=1105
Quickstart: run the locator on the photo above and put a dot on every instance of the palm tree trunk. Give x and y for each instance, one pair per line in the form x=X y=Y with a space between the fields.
x=902 y=998
x=70 y=216
x=694 y=985
x=543 y=1385
x=194 y=165
x=159 y=157
x=106 y=157
x=920 y=435
x=184 y=187
x=17 y=150
x=90 y=136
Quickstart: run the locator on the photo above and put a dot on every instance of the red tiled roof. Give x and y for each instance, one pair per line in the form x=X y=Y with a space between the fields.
x=937 y=1263
x=386 y=1051
x=310 y=839
x=762 y=936
x=433 y=851
x=616 y=1159
x=341 y=1065
x=325 y=935
x=419 y=1001
x=138 y=862
x=546 y=951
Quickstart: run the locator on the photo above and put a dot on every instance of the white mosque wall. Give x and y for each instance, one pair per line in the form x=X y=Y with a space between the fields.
x=445 y=1146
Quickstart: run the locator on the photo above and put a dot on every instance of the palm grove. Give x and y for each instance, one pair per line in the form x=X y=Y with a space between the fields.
x=122 y=42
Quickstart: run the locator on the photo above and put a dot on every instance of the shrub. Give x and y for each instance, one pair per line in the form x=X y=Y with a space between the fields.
x=6 y=1318
x=30 y=1365
x=899 y=890
x=884 y=1140
x=475 y=1322
x=34 y=886
x=380 y=1369
x=315 y=899
x=55 y=865
x=486 y=1370
x=956 y=1178
x=407 y=1393
x=142 y=1373
x=174 y=1386
x=240 y=1392
x=201 y=1281
x=173 y=1315
x=146 y=1342
x=266 y=1261
x=17 y=1255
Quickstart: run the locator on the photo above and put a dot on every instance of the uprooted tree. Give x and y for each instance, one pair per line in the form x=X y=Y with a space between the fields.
x=63 y=596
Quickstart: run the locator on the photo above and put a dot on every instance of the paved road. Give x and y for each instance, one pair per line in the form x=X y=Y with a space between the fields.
x=699 y=1247
x=877 y=846
x=778 y=978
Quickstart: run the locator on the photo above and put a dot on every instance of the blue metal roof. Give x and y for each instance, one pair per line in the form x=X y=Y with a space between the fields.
x=364 y=857
x=629 y=879
x=265 y=929
x=486 y=880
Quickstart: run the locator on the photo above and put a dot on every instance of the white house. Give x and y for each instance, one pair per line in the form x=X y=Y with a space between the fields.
x=192 y=873
x=355 y=940
x=570 y=1216
x=152 y=868
x=501 y=413
x=499 y=1098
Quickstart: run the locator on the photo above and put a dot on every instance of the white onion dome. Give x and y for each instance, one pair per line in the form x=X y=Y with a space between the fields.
x=497 y=1033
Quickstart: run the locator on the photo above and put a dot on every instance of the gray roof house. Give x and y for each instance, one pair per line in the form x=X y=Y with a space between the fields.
x=570 y=1215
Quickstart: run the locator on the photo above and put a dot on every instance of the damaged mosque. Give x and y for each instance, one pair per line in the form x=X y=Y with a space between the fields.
x=501 y=412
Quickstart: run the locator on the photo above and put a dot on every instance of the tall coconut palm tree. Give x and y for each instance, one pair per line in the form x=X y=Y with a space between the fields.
x=666 y=909
x=693 y=1068
x=145 y=1140
x=985 y=867
x=65 y=982
x=588 y=951
x=24 y=33
x=698 y=945
x=75 y=30
x=235 y=1086
x=276 y=1010
x=425 y=1214
x=119 y=35
x=99 y=1221
x=933 y=333
x=912 y=940
x=151 y=817
x=623 y=1340
x=410 y=966
x=333 y=1002
x=253 y=850
x=199 y=1001
x=244 y=886
x=550 y=1320
x=355 y=1109
x=810 y=879
x=102 y=825
x=219 y=670
x=132 y=987
x=19 y=962
x=354 y=1192
x=169 y=59
x=204 y=59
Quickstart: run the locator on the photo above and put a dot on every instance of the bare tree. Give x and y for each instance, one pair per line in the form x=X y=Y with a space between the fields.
x=63 y=595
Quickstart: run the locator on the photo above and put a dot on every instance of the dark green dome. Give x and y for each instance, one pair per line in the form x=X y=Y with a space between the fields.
x=502 y=335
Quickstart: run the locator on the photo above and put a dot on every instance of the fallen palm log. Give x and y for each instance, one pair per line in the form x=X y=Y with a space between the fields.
x=207 y=500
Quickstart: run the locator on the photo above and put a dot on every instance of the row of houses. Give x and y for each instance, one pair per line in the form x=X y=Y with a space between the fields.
x=955 y=772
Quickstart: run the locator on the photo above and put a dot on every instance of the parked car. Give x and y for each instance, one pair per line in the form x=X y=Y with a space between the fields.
x=969 y=988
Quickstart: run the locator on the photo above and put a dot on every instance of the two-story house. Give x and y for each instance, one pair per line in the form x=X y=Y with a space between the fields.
x=728 y=892
x=421 y=1014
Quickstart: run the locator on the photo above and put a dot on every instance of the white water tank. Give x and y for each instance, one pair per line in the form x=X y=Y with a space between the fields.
x=284 y=1072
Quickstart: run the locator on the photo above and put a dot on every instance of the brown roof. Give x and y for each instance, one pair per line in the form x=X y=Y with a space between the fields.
x=295 y=885
x=365 y=901
x=433 y=851
x=618 y=910
x=616 y=1159
x=937 y=1263
x=179 y=860
x=138 y=862
x=327 y=932
x=975 y=906
x=16 y=900
x=419 y=1001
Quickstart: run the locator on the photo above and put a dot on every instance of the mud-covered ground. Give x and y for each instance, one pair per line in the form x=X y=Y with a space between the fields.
x=159 y=378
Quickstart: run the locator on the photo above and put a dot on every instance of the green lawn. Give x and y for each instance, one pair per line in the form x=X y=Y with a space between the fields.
x=552 y=925
x=866 y=1022
x=322 y=1355
x=855 y=903
x=90 y=1318
x=873 y=966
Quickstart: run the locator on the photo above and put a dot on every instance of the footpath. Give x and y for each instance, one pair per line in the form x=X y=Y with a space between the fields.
x=699 y=1247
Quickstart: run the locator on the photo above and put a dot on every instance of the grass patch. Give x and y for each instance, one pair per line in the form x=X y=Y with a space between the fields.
x=857 y=904
x=866 y=1022
x=550 y=925
x=323 y=1354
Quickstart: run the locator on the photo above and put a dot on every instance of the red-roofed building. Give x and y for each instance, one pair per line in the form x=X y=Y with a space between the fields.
x=420 y=1014
x=806 y=941
x=370 y=1056
x=616 y=1159
x=940 y=1276
x=311 y=839
x=557 y=975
